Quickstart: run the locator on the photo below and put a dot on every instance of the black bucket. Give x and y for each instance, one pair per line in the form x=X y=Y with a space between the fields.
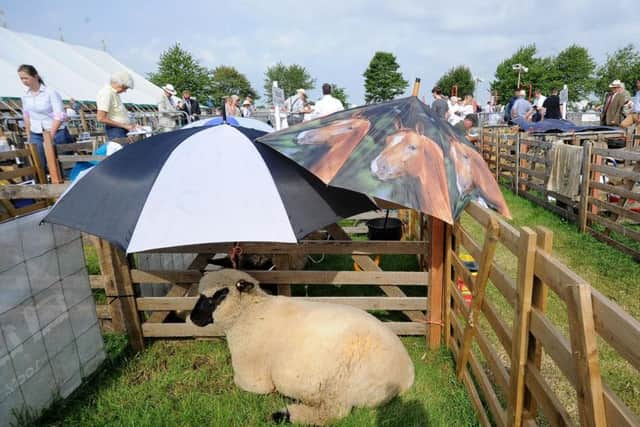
x=378 y=230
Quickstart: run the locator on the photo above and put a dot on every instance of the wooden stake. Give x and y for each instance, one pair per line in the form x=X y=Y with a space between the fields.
x=436 y=281
x=36 y=162
x=539 y=301
x=519 y=349
x=447 y=283
x=479 y=286
x=283 y=262
x=585 y=188
x=51 y=158
x=584 y=348
x=120 y=293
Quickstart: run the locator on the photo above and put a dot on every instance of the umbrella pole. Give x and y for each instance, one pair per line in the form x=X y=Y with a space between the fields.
x=416 y=87
x=224 y=111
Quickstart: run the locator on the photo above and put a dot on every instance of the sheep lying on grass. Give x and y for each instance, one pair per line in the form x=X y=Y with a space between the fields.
x=328 y=357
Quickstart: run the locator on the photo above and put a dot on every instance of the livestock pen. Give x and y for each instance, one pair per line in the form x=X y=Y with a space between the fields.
x=505 y=351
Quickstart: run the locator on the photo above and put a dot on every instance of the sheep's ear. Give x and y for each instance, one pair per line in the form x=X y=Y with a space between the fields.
x=244 y=286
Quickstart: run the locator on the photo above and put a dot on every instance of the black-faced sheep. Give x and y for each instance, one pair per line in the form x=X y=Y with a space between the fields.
x=328 y=357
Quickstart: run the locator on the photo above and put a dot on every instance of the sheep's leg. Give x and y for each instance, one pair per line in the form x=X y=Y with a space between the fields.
x=314 y=415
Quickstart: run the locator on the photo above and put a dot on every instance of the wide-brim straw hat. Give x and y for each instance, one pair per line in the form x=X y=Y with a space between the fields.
x=169 y=88
x=616 y=83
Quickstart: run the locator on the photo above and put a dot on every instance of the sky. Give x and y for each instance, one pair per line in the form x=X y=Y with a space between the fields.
x=333 y=39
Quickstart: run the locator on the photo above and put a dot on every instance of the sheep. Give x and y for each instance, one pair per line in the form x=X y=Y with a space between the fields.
x=328 y=357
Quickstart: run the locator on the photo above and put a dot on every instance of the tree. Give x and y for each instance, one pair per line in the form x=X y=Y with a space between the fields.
x=459 y=76
x=383 y=81
x=227 y=81
x=341 y=94
x=623 y=64
x=290 y=78
x=574 y=67
x=506 y=78
x=178 y=67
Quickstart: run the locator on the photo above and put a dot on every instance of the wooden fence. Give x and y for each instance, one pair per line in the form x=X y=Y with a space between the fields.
x=499 y=357
x=144 y=317
x=607 y=204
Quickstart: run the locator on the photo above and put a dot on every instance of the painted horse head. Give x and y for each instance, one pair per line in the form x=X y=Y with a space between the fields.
x=472 y=173
x=408 y=152
x=341 y=137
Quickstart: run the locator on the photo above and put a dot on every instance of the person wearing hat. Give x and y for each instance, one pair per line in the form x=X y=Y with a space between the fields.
x=634 y=115
x=111 y=110
x=246 y=110
x=613 y=105
x=295 y=106
x=168 y=108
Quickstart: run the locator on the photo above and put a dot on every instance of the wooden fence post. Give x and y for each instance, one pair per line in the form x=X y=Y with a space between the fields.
x=478 y=288
x=538 y=300
x=283 y=262
x=83 y=121
x=447 y=283
x=585 y=187
x=524 y=148
x=120 y=294
x=36 y=162
x=51 y=158
x=584 y=348
x=520 y=336
x=436 y=281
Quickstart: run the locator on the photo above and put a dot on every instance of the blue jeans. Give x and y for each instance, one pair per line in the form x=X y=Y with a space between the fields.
x=62 y=137
x=114 y=132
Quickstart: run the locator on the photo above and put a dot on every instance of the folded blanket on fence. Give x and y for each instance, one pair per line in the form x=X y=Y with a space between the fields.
x=566 y=164
x=557 y=125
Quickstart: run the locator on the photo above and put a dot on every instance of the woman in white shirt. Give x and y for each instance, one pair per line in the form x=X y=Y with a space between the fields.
x=42 y=111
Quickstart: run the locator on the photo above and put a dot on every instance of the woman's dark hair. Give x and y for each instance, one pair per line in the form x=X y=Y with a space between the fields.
x=31 y=70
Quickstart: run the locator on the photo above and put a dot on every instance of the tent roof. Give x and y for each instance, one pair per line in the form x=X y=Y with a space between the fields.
x=73 y=70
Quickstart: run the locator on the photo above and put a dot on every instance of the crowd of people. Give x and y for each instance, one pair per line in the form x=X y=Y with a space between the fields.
x=461 y=113
x=44 y=112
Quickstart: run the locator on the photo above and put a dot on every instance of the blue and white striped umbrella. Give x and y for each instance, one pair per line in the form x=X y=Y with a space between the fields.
x=201 y=185
x=245 y=122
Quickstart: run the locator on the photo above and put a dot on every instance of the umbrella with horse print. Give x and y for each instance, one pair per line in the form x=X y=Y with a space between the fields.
x=397 y=151
x=201 y=185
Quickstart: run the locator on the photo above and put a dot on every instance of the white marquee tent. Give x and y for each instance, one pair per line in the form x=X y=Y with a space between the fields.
x=74 y=71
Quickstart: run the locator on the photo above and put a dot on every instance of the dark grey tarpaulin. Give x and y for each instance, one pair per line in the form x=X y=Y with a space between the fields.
x=213 y=184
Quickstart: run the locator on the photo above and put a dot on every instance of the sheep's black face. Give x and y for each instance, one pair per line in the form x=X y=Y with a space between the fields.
x=202 y=313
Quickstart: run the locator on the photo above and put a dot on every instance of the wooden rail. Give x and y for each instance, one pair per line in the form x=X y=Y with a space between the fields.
x=533 y=336
x=607 y=204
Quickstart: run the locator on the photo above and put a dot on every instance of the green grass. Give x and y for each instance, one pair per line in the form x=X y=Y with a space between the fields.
x=190 y=383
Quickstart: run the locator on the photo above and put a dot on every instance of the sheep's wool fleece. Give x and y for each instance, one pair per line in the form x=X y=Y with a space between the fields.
x=313 y=351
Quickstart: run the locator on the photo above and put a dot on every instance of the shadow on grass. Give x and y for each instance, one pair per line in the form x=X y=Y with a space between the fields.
x=399 y=413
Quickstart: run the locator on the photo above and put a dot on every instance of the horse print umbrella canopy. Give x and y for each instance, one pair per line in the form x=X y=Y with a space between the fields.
x=397 y=151
x=201 y=185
